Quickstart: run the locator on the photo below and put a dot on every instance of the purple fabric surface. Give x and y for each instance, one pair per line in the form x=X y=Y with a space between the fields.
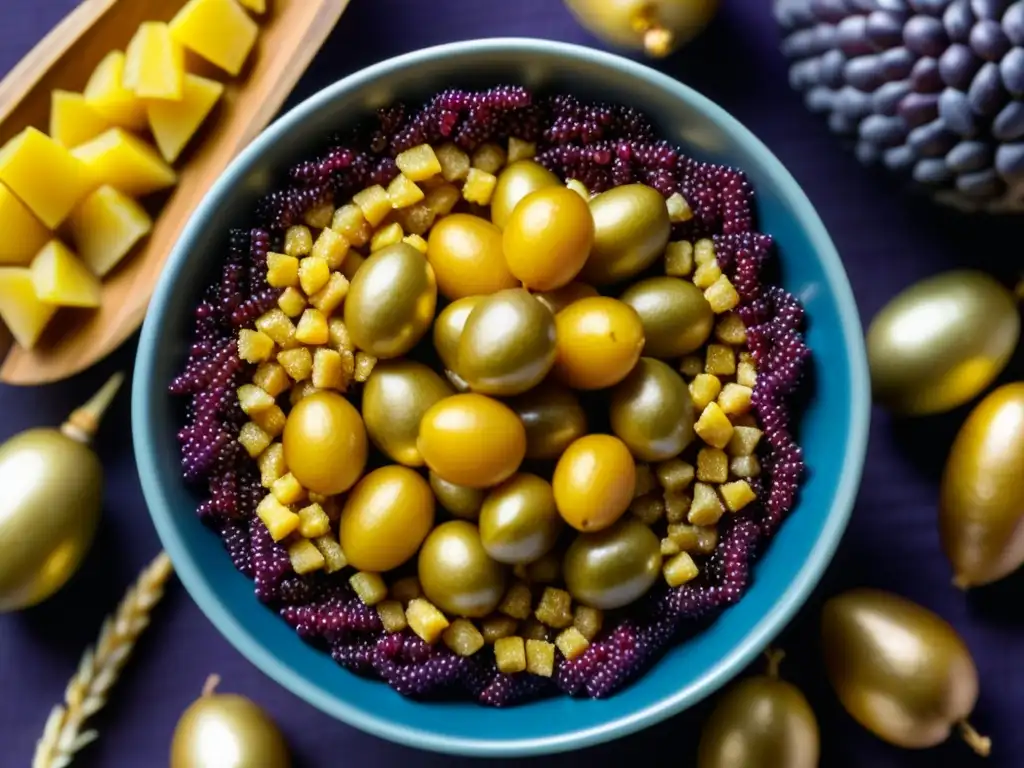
x=886 y=241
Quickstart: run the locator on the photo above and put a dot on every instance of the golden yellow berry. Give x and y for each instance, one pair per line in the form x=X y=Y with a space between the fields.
x=364 y=365
x=288 y=490
x=645 y=480
x=746 y=374
x=691 y=366
x=674 y=475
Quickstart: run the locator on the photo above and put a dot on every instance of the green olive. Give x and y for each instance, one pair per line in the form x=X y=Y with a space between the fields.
x=677 y=319
x=652 y=411
x=448 y=329
x=519 y=522
x=508 y=343
x=553 y=418
x=547 y=238
x=612 y=567
x=465 y=252
x=395 y=397
x=456 y=573
x=941 y=342
x=901 y=671
x=515 y=182
x=657 y=27
x=460 y=500
x=391 y=301
x=324 y=443
x=982 y=501
x=631 y=229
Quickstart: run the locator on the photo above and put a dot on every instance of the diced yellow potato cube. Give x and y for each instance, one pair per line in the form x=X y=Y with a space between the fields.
x=588 y=621
x=350 y=222
x=680 y=570
x=454 y=162
x=23 y=234
x=312 y=328
x=328 y=372
x=280 y=521
x=737 y=495
x=746 y=374
x=125 y=162
x=479 y=186
x=313 y=274
x=297 y=362
x=60 y=278
x=721 y=360
x=497 y=626
x=520 y=150
x=730 y=329
x=288 y=490
x=364 y=366
x=220 y=31
x=45 y=176
x=418 y=163
x=369 y=587
x=386 y=235
x=313 y=521
x=253 y=438
x=705 y=275
x=555 y=608
x=298 y=241
x=645 y=480
x=305 y=557
x=546 y=570
x=332 y=247
x=252 y=399
x=704 y=251
x=677 y=505
x=106 y=226
x=105 y=93
x=488 y=157
x=271 y=421
x=282 y=270
x=392 y=616
x=691 y=366
x=722 y=295
x=674 y=475
x=338 y=335
x=518 y=601
x=713 y=426
x=442 y=199
x=463 y=638
x=704 y=388
x=271 y=378
x=291 y=302
x=425 y=620
x=571 y=643
x=684 y=535
x=154 y=64
x=679 y=258
x=669 y=547
x=256 y=6
x=707 y=508
x=403 y=192
x=374 y=203
x=319 y=216
x=416 y=242
x=272 y=465
x=332 y=552
x=579 y=188
x=647 y=509
x=278 y=326
x=21 y=311
x=173 y=124
x=405 y=589
x=254 y=346
x=72 y=120
x=745 y=466
x=707 y=539
x=712 y=465
x=735 y=398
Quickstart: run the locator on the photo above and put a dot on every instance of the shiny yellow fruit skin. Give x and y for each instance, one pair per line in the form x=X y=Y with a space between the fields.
x=515 y=182
x=461 y=501
x=631 y=230
x=982 y=503
x=518 y=520
x=472 y=440
x=395 y=397
x=325 y=444
x=613 y=567
x=560 y=298
x=390 y=304
x=901 y=671
x=456 y=573
x=599 y=341
x=465 y=252
x=49 y=509
x=621 y=22
x=652 y=411
x=548 y=237
x=227 y=731
x=385 y=519
x=448 y=329
x=941 y=342
x=553 y=418
x=677 y=319
x=594 y=482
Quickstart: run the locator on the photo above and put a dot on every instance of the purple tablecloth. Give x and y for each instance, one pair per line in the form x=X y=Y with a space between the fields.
x=886 y=241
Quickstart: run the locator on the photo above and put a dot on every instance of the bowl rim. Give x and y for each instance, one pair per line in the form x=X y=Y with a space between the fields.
x=713 y=678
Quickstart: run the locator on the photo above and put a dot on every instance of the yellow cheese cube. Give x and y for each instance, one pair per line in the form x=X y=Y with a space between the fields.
x=154 y=63
x=72 y=120
x=23 y=233
x=126 y=162
x=22 y=312
x=173 y=123
x=106 y=226
x=44 y=175
x=218 y=30
x=105 y=92
x=60 y=278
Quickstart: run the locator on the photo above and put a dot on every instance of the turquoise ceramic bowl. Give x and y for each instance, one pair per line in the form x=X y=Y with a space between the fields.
x=833 y=429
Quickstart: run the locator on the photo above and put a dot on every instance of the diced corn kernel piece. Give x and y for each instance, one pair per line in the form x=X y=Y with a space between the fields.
x=441 y=200
x=279 y=520
x=647 y=509
x=417 y=219
x=704 y=251
x=463 y=638
x=674 y=475
x=406 y=589
x=737 y=494
x=332 y=247
x=704 y=389
x=364 y=366
x=588 y=621
x=369 y=587
x=319 y=216
x=540 y=658
x=520 y=150
x=510 y=655
x=374 y=203
x=735 y=398
x=518 y=601
x=677 y=505
x=713 y=426
x=300 y=391
x=669 y=547
x=680 y=570
x=678 y=208
x=746 y=374
x=253 y=438
x=392 y=616
x=745 y=466
x=327 y=370
x=545 y=570
x=645 y=481
x=291 y=302
x=312 y=328
x=721 y=295
x=418 y=163
x=679 y=258
x=385 y=236
x=252 y=399
x=691 y=366
x=313 y=274
x=298 y=363
x=254 y=346
x=479 y=187
x=333 y=554
x=579 y=188
x=403 y=192
x=730 y=329
x=712 y=465
x=705 y=275
x=271 y=421
x=707 y=539
x=298 y=241
x=425 y=620
x=282 y=270
x=416 y=242
x=488 y=157
x=497 y=626
x=278 y=326
x=555 y=608
x=350 y=222
x=571 y=643
x=338 y=336
x=454 y=162
x=288 y=490
x=305 y=557
x=272 y=465
x=684 y=535
x=721 y=360
x=531 y=629
x=707 y=508
x=313 y=521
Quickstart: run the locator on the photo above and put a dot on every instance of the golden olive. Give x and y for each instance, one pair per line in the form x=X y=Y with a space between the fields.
x=472 y=440
x=941 y=342
x=508 y=343
x=553 y=418
x=560 y=298
x=548 y=237
x=385 y=519
x=652 y=411
x=465 y=252
x=613 y=567
x=458 y=499
x=657 y=27
x=599 y=341
x=325 y=443
x=391 y=301
x=901 y=671
x=594 y=482
x=982 y=501
x=677 y=319
x=631 y=230
x=515 y=182
x=518 y=520
x=456 y=573
x=448 y=329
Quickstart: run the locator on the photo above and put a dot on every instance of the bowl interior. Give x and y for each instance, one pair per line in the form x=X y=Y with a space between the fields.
x=832 y=429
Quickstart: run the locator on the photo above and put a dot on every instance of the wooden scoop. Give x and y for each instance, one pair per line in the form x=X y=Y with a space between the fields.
x=291 y=33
